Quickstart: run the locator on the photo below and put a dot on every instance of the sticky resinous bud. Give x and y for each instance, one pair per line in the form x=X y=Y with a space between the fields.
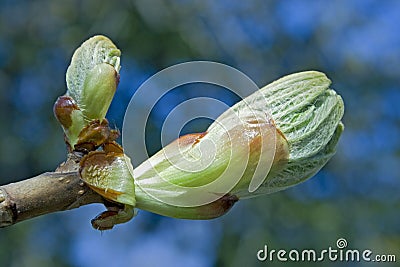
x=92 y=79
x=93 y=76
x=276 y=138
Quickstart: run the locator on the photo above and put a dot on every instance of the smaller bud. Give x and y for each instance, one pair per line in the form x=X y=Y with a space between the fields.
x=92 y=79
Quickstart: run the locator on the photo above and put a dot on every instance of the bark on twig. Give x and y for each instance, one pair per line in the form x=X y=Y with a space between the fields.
x=46 y=193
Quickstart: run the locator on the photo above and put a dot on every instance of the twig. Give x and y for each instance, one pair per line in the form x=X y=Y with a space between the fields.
x=46 y=193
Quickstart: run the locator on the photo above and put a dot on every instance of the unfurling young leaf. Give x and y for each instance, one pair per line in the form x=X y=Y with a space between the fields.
x=95 y=51
x=92 y=78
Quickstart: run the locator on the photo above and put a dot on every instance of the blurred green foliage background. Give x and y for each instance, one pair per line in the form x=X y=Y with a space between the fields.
x=356 y=196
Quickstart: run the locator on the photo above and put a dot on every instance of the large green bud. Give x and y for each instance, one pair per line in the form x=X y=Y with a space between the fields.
x=276 y=138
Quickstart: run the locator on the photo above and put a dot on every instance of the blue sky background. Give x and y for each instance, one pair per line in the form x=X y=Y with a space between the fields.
x=356 y=43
